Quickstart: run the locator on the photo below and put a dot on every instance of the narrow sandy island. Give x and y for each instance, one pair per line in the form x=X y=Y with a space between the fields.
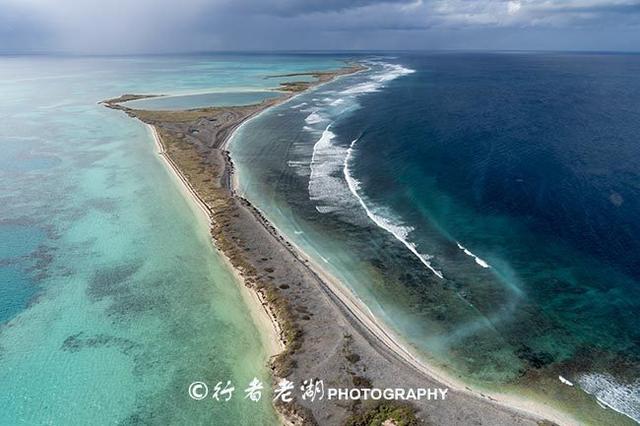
x=323 y=331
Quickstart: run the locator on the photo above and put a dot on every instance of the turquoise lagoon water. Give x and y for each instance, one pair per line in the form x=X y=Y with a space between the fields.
x=112 y=298
x=202 y=100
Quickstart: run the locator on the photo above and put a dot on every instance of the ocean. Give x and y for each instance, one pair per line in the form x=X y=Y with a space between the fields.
x=112 y=298
x=483 y=205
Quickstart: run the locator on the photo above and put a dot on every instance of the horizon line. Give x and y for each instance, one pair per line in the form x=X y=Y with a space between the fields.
x=306 y=51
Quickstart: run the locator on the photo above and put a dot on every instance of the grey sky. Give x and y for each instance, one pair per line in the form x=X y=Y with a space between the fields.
x=128 y=26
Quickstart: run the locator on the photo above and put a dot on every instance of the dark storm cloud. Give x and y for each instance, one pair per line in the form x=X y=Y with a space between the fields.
x=122 y=26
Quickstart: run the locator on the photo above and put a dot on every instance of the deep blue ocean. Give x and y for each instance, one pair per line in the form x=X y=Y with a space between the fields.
x=487 y=205
x=532 y=162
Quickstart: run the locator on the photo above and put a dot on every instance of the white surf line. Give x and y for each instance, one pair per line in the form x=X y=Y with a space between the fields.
x=354 y=186
x=609 y=393
x=476 y=258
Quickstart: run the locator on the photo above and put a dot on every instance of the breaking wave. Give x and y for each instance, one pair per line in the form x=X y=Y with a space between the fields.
x=399 y=231
x=623 y=398
x=326 y=187
x=478 y=260
x=330 y=164
x=376 y=81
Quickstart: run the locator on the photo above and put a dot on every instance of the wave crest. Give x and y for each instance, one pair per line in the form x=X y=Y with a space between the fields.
x=623 y=398
x=377 y=80
x=398 y=230
x=327 y=185
x=326 y=188
x=478 y=260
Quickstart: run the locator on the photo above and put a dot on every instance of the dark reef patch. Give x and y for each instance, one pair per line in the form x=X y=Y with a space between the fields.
x=536 y=359
x=111 y=281
x=78 y=342
x=129 y=304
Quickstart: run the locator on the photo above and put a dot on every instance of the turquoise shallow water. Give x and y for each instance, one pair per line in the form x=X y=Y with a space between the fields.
x=113 y=299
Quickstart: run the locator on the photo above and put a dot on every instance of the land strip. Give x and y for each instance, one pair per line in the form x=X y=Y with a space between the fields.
x=325 y=333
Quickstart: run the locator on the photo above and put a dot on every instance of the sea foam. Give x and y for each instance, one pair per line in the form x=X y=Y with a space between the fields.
x=327 y=188
x=314 y=118
x=378 y=79
x=623 y=398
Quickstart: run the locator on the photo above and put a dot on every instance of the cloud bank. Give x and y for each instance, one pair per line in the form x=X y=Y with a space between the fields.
x=155 y=26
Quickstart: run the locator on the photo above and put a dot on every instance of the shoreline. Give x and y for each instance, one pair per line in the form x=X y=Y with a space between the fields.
x=258 y=299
